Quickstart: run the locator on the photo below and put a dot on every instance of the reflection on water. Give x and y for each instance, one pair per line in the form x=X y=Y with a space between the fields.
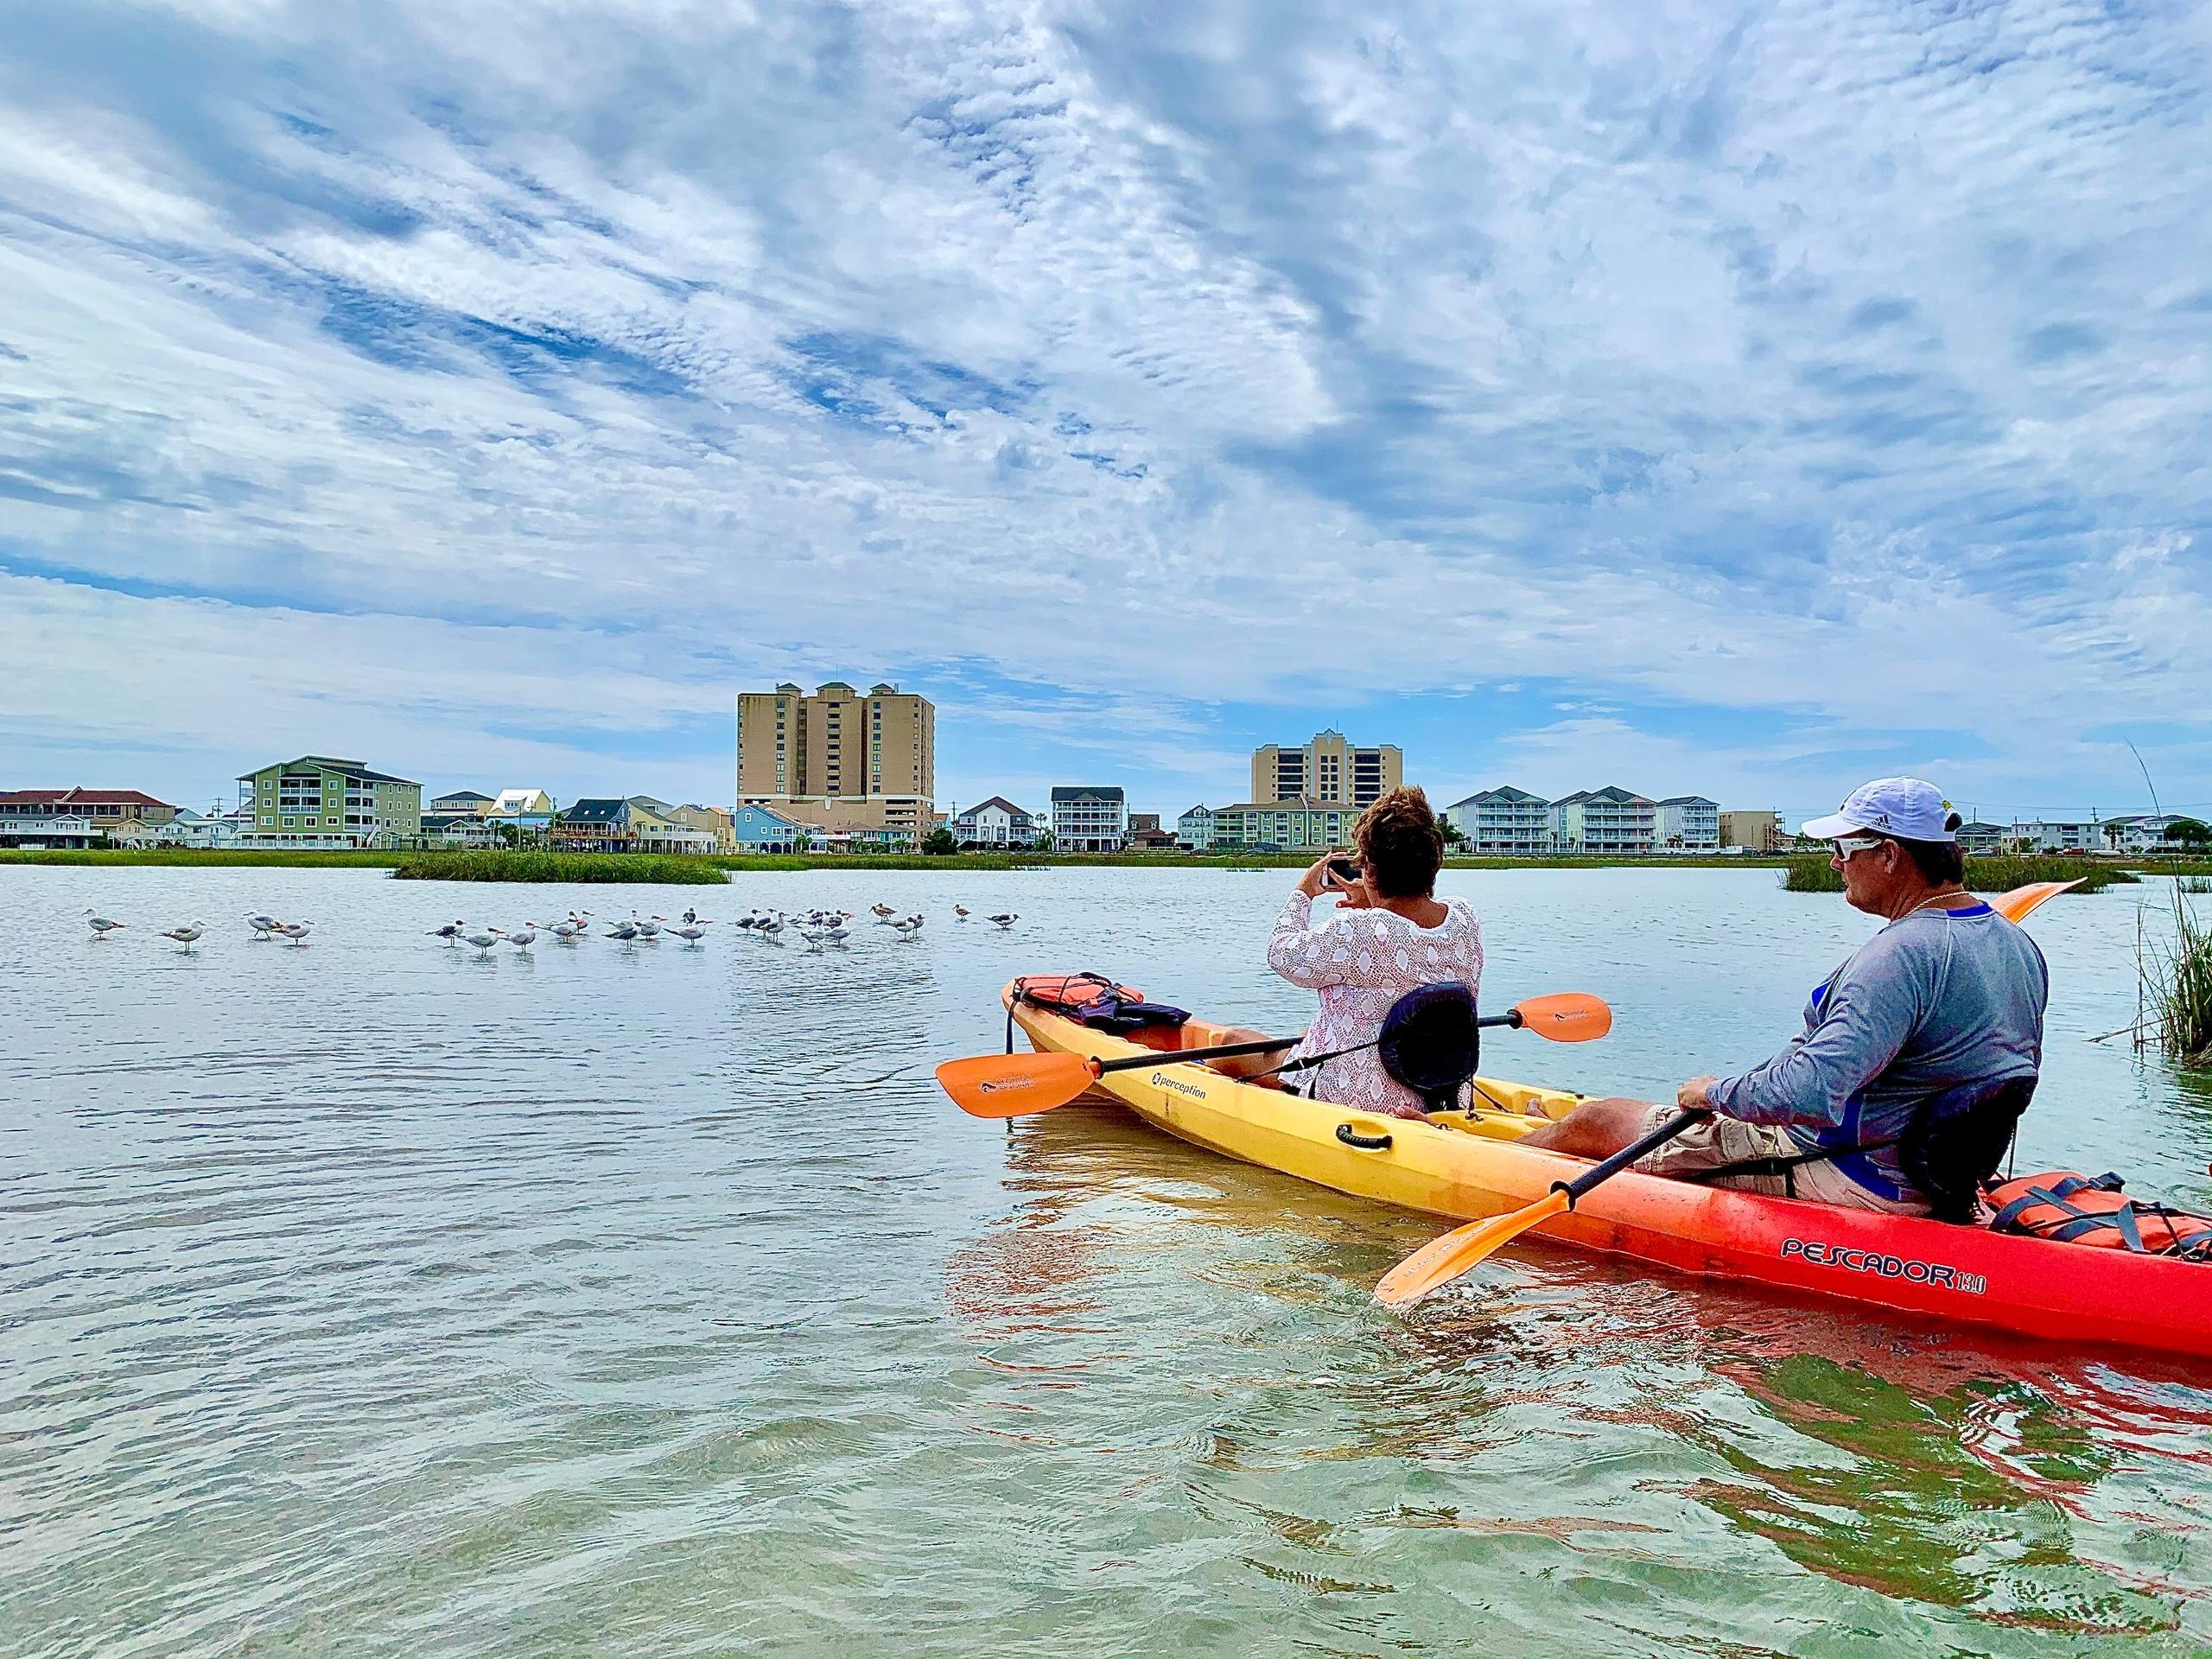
x=370 y=1297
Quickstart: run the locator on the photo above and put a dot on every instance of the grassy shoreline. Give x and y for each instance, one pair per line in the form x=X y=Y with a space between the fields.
x=1816 y=874
x=462 y=864
x=1804 y=873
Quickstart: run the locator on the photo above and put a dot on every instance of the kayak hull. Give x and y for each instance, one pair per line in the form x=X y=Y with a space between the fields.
x=1467 y=1165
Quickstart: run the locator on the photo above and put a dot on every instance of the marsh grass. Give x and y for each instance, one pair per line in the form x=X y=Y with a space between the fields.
x=2177 y=983
x=202 y=858
x=1813 y=873
x=665 y=869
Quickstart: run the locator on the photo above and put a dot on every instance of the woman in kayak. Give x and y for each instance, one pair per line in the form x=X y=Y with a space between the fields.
x=1933 y=1021
x=1390 y=934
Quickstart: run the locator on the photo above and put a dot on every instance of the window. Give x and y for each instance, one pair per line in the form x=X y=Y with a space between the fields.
x=290 y=824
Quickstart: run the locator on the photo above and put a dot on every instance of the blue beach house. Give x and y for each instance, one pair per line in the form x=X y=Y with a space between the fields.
x=758 y=830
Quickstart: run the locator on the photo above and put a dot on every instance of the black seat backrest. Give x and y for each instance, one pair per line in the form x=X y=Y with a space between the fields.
x=1431 y=1043
x=1956 y=1140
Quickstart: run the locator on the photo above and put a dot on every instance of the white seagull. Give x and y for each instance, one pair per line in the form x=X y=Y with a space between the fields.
x=262 y=923
x=294 y=932
x=485 y=940
x=623 y=930
x=524 y=940
x=648 y=926
x=184 y=936
x=1005 y=919
x=101 y=925
x=690 y=932
x=450 y=932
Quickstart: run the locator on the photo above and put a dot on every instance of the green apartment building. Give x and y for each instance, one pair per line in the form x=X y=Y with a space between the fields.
x=320 y=801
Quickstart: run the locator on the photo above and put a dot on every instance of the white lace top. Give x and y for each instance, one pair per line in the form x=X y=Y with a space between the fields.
x=1362 y=961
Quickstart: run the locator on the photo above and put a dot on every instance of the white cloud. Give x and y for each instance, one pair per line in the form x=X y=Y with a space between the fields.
x=1842 y=361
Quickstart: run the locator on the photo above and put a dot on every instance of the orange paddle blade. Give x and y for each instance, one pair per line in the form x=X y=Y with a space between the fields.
x=1007 y=1085
x=2015 y=905
x=1442 y=1260
x=1566 y=1017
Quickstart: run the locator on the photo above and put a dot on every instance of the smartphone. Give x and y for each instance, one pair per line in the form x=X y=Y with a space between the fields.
x=1345 y=869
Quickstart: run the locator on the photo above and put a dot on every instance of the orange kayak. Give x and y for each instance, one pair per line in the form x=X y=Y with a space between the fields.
x=1467 y=1166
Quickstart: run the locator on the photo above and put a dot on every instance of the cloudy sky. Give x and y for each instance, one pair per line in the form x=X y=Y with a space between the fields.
x=1695 y=397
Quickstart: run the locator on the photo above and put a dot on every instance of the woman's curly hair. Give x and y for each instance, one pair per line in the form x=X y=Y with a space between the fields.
x=1401 y=845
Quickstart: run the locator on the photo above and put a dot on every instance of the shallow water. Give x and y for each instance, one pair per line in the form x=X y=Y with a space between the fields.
x=370 y=1298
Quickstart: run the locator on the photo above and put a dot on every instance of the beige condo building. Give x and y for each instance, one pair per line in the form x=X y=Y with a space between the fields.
x=1328 y=771
x=842 y=760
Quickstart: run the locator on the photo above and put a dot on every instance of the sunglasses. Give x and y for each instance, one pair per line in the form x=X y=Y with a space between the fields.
x=1847 y=845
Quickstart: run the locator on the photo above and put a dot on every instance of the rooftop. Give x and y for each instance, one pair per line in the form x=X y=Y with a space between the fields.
x=999 y=802
x=1302 y=803
x=1086 y=792
x=601 y=810
x=329 y=763
x=79 y=796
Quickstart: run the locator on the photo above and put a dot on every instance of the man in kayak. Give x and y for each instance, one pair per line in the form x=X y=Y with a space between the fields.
x=1937 y=1016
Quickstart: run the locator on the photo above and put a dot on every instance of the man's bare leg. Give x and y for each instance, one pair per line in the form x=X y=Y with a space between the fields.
x=1248 y=1065
x=1596 y=1128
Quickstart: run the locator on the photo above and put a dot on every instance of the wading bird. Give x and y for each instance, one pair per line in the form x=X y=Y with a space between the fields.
x=525 y=938
x=294 y=932
x=101 y=925
x=185 y=934
x=1007 y=920
x=485 y=940
x=262 y=923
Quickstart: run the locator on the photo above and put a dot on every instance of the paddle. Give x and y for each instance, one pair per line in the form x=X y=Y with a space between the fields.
x=1444 y=1259
x=1009 y=1086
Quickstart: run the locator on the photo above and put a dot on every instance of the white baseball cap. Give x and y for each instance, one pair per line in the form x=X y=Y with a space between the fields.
x=1908 y=807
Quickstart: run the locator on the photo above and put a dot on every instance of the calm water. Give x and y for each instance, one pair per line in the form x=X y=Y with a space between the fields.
x=369 y=1298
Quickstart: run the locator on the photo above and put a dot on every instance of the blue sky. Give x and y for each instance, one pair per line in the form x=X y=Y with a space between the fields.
x=1735 y=399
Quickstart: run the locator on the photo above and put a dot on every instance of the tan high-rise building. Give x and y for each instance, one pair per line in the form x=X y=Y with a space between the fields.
x=1328 y=770
x=840 y=745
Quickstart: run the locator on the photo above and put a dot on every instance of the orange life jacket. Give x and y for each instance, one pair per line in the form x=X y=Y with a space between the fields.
x=1071 y=993
x=2075 y=1209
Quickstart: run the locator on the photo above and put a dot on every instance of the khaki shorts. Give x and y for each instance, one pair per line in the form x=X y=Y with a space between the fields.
x=1721 y=1139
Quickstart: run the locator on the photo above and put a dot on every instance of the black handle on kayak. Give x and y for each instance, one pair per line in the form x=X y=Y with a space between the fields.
x=1628 y=1155
x=1177 y=1056
x=1352 y=1137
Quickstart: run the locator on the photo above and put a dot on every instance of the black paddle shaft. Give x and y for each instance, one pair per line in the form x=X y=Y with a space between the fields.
x=1265 y=1045
x=1175 y=1056
x=1628 y=1155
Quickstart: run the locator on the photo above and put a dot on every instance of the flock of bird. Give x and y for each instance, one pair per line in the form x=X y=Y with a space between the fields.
x=821 y=929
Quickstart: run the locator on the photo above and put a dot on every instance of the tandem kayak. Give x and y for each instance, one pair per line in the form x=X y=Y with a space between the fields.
x=1467 y=1165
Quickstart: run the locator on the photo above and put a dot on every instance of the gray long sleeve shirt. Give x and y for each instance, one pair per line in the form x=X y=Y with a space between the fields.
x=1934 y=1001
